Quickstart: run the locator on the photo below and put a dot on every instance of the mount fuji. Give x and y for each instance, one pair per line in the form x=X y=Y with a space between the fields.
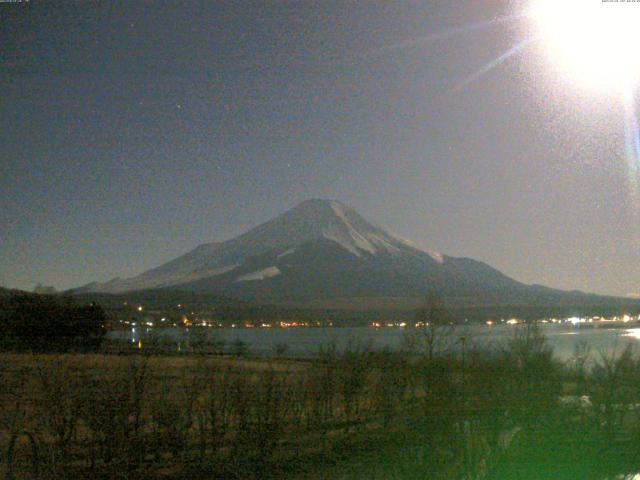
x=323 y=252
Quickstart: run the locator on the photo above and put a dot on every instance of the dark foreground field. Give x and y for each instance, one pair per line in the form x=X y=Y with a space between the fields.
x=512 y=413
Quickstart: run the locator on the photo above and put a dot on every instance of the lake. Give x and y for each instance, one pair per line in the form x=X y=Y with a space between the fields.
x=305 y=342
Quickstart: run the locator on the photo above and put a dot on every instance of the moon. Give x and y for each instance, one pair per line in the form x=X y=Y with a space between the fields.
x=595 y=43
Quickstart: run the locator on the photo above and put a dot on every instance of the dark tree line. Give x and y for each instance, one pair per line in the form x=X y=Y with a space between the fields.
x=43 y=322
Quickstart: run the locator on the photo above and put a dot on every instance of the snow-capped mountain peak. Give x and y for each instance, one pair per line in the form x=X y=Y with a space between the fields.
x=322 y=252
x=309 y=221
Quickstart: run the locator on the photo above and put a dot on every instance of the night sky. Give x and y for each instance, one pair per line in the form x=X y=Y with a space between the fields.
x=130 y=132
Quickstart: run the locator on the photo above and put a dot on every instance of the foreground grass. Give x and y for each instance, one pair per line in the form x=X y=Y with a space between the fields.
x=359 y=414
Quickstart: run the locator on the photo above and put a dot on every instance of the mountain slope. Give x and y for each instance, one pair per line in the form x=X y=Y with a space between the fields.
x=310 y=220
x=323 y=250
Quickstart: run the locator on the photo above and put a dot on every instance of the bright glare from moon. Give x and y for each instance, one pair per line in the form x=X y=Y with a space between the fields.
x=595 y=42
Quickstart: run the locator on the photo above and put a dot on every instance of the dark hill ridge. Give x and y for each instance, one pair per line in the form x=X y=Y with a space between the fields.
x=323 y=251
x=10 y=292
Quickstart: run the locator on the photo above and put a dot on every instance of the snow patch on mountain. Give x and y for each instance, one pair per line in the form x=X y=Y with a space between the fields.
x=268 y=272
x=383 y=242
x=356 y=240
x=347 y=241
x=287 y=252
x=405 y=241
x=207 y=273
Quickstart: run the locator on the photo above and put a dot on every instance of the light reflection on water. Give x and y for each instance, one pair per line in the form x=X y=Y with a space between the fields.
x=306 y=341
x=634 y=333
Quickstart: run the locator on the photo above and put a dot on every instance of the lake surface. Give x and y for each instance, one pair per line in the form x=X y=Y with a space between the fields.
x=304 y=342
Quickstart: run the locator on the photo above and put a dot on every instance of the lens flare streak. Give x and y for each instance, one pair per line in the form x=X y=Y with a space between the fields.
x=632 y=137
x=470 y=28
x=495 y=63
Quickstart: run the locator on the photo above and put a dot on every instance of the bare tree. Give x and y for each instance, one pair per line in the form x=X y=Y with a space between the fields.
x=433 y=327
